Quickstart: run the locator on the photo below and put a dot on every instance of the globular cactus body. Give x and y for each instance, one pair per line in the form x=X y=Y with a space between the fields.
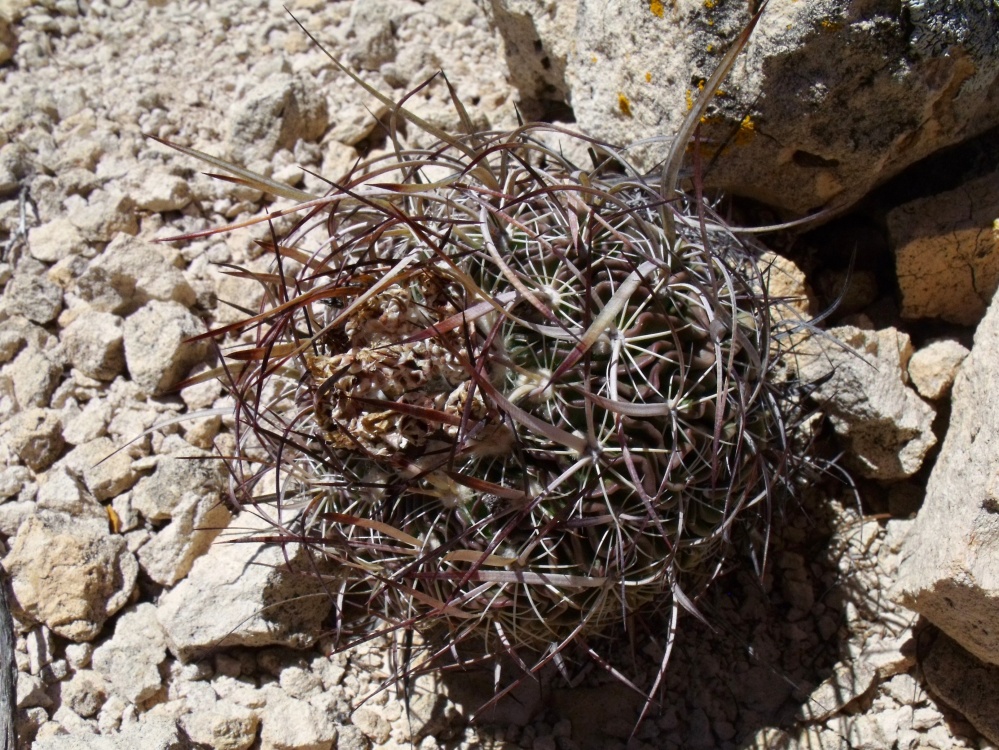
x=516 y=401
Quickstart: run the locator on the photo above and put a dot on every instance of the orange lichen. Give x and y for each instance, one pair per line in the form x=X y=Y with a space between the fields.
x=624 y=105
x=657 y=8
x=648 y=76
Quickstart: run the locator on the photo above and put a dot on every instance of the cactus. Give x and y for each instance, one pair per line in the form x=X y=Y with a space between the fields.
x=516 y=400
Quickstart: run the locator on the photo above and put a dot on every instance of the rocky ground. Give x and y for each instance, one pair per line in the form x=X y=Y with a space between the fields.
x=138 y=626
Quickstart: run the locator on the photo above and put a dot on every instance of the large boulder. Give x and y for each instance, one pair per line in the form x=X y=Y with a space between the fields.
x=949 y=571
x=829 y=99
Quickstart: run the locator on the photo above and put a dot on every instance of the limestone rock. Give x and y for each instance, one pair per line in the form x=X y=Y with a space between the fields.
x=276 y=114
x=84 y=693
x=195 y=523
x=848 y=682
x=130 y=661
x=128 y=274
x=162 y=192
x=242 y=594
x=106 y=471
x=187 y=491
x=34 y=436
x=59 y=491
x=292 y=724
x=148 y=734
x=965 y=684
x=949 y=568
x=861 y=385
x=933 y=368
x=34 y=297
x=105 y=215
x=93 y=344
x=55 y=240
x=373 y=724
x=34 y=375
x=196 y=473
x=157 y=352
x=96 y=574
x=222 y=725
x=947 y=252
x=828 y=100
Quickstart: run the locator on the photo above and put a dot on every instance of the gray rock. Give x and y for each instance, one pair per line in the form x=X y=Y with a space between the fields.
x=105 y=215
x=242 y=594
x=195 y=522
x=105 y=470
x=222 y=726
x=31 y=692
x=55 y=240
x=149 y=734
x=93 y=343
x=130 y=661
x=195 y=472
x=95 y=574
x=40 y=648
x=156 y=348
x=887 y=426
x=828 y=100
x=276 y=114
x=34 y=436
x=949 y=568
x=292 y=724
x=34 y=297
x=162 y=192
x=965 y=684
x=84 y=693
x=12 y=479
x=34 y=376
x=10 y=344
x=128 y=274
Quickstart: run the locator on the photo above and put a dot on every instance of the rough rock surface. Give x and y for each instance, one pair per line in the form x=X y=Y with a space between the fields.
x=965 y=683
x=832 y=97
x=130 y=661
x=862 y=385
x=933 y=368
x=949 y=572
x=96 y=574
x=156 y=348
x=947 y=252
x=240 y=594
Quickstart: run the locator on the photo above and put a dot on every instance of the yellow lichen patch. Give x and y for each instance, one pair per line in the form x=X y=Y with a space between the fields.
x=624 y=105
x=709 y=4
x=710 y=48
x=593 y=58
x=689 y=96
x=829 y=25
x=747 y=130
x=657 y=8
x=648 y=76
